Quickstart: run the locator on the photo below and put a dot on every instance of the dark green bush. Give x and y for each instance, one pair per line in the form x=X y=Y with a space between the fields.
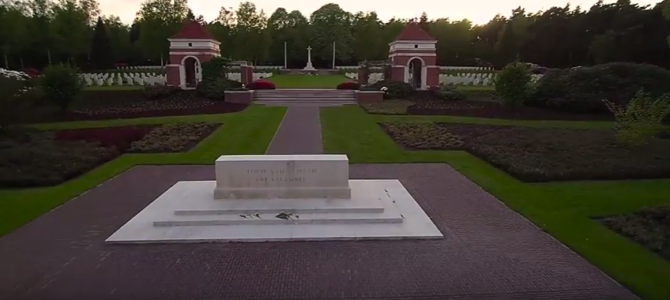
x=159 y=91
x=395 y=89
x=512 y=84
x=215 y=89
x=214 y=79
x=61 y=85
x=16 y=101
x=584 y=89
x=450 y=93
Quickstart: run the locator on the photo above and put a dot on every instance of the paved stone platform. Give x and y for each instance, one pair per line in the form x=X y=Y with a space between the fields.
x=489 y=252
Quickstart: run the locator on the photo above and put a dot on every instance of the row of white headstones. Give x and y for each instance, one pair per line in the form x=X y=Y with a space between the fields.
x=130 y=79
x=127 y=79
x=480 y=79
x=456 y=68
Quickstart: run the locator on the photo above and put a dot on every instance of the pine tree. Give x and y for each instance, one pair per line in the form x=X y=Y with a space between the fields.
x=506 y=47
x=101 y=49
x=423 y=21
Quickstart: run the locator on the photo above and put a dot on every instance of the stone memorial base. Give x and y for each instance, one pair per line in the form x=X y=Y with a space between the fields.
x=188 y=212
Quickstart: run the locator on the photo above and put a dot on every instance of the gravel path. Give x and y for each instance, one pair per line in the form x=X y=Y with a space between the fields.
x=298 y=133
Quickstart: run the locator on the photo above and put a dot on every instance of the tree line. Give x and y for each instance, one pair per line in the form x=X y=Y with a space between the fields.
x=35 y=33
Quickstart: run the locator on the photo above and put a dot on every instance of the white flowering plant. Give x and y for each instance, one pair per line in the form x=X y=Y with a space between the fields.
x=14 y=74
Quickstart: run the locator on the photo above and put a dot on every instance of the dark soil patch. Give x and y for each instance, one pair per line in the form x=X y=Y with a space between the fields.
x=494 y=110
x=49 y=158
x=541 y=154
x=129 y=104
x=650 y=227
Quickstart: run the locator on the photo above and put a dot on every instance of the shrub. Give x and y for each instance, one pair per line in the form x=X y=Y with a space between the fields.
x=215 y=89
x=641 y=119
x=348 y=85
x=16 y=99
x=582 y=89
x=61 y=85
x=214 y=69
x=450 y=93
x=261 y=85
x=395 y=89
x=159 y=91
x=512 y=84
x=173 y=137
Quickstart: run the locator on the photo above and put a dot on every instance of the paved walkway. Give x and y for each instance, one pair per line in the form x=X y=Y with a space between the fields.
x=298 y=133
x=489 y=252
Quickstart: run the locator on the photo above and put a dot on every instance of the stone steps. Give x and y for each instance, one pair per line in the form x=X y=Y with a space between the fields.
x=311 y=97
x=263 y=206
x=272 y=219
x=318 y=104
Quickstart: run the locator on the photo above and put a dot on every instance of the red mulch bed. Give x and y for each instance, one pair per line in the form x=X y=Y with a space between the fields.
x=119 y=137
x=106 y=105
x=482 y=109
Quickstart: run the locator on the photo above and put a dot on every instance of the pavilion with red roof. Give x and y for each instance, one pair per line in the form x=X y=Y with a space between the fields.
x=189 y=48
x=413 y=57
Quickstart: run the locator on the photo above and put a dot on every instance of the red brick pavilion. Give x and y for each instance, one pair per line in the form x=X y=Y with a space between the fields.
x=413 y=57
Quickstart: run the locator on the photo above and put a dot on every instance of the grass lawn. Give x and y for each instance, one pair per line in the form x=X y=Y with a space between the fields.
x=241 y=133
x=562 y=209
x=307 y=82
x=113 y=88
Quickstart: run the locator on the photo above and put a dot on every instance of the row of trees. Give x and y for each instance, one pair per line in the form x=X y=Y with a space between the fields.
x=34 y=33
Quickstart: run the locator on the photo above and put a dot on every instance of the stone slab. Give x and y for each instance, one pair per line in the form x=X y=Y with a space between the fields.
x=282 y=176
x=391 y=194
x=273 y=219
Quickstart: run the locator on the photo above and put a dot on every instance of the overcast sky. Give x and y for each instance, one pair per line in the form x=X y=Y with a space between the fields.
x=478 y=11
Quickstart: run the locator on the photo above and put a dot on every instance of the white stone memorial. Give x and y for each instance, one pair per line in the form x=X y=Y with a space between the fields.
x=262 y=198
x=309 y=66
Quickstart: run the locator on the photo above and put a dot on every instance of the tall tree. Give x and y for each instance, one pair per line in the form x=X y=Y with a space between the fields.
x=101 y=48
x=331 y=24
x=506 y=48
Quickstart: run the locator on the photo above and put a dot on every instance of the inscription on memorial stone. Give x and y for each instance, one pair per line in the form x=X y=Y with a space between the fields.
x=281 y=175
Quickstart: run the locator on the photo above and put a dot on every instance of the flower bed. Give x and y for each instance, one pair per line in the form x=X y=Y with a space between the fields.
x=348 y=85
x=177 y=137
x=38 y=160
x=261 y=85
x=650 y=227
x=482 y=109
x=50 y=158
x=541 y=154
x=129 y=104
x=119 y=137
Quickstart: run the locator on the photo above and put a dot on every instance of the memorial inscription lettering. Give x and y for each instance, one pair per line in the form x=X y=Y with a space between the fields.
x=281 y=175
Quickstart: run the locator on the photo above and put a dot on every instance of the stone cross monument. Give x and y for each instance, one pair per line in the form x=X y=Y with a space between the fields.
x=309 y=66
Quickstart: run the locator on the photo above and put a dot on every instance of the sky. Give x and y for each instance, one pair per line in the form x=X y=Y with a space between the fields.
x=477 y=11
